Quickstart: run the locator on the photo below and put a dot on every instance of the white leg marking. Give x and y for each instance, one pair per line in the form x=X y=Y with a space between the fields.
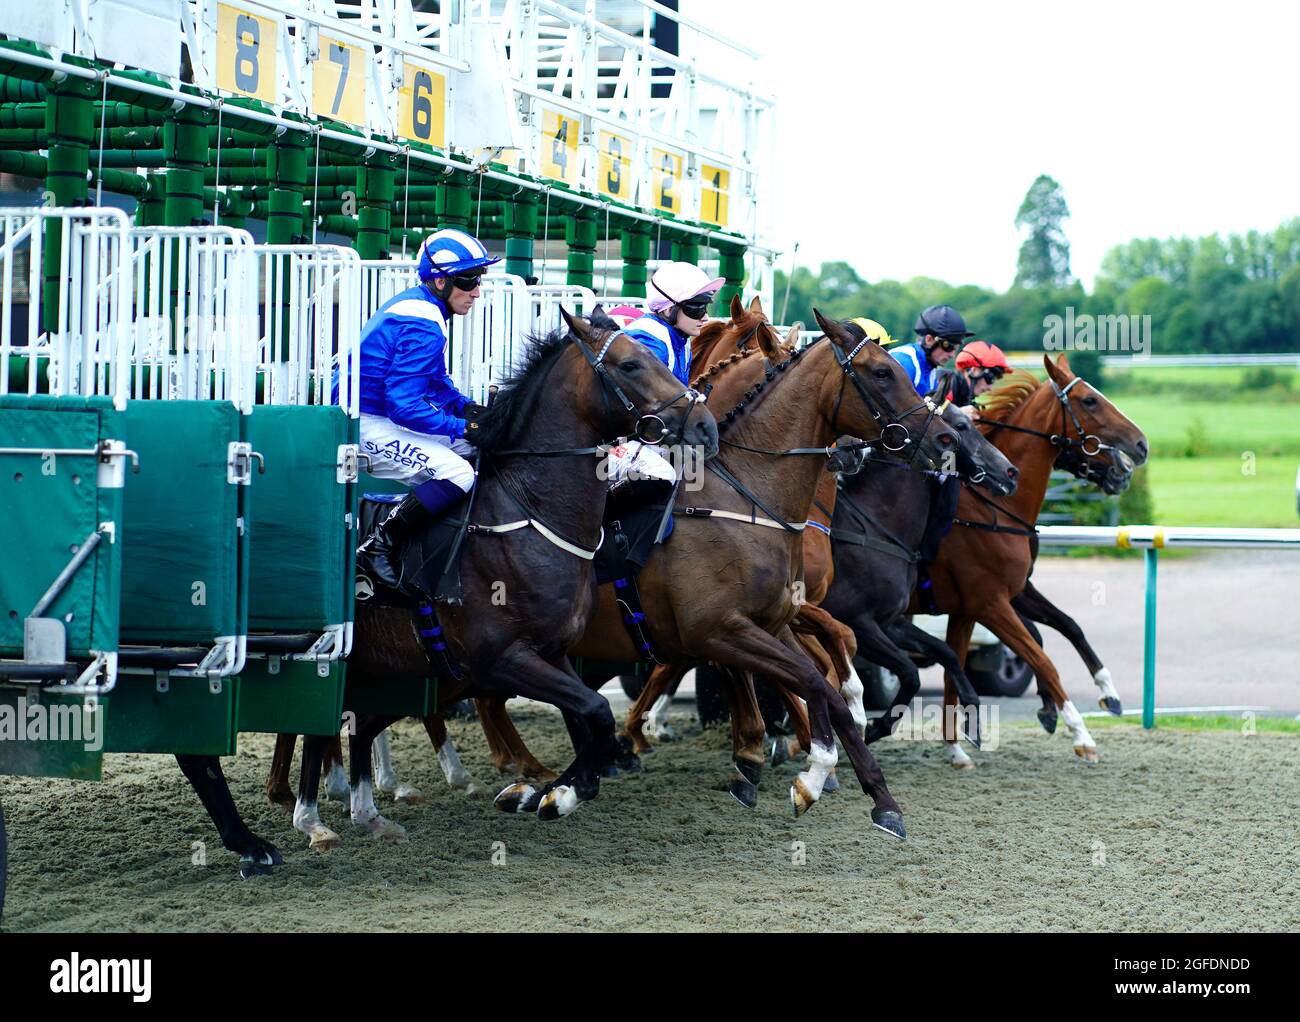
x=306 y=818
x=1102 y=678
x=454 y=770
x=852 y=691
x=810 y=783
x=1084 y=746
x=336 y=783
x=385 y=776
x=960 y=760
x=366 y=814
x=656 y=721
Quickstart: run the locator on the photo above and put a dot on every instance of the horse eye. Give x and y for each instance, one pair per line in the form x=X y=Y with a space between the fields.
x=883 y=374
x=630 y=366
x=1090 y=401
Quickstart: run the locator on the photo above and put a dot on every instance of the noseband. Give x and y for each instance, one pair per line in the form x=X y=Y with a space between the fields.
x=650 y=427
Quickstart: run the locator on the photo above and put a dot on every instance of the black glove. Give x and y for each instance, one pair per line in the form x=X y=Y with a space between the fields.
x=471 y=436
x=472 y=412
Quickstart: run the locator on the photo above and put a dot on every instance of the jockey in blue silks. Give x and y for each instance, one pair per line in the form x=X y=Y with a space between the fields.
x=941 y=332
x=416 y=426
x=679 y=307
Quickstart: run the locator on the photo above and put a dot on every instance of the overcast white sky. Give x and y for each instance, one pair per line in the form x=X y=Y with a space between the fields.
x=909 y=131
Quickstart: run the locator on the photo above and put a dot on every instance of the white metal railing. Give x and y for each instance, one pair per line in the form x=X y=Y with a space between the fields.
x=195 y=314
x=310 y=299
x=85 y=352
x=548 y=299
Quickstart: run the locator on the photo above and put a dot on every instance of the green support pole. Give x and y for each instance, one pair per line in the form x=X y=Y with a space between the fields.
x=375 y=179
x=286 y=169
x=151 y=211
x=686 y=249
x=521 y=231
x=731 y=265
x=456 y=202
x=185 y=141
x=580 y=234
x=1149 y=646
x=635 y=250
x=69 y=126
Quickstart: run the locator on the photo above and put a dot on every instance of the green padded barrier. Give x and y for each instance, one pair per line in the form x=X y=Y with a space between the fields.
x=180 y=577
x=78 y=755
x=51 y=505
x=294 y=700
x=299 y=525
x=188 y=718
x=392 y=697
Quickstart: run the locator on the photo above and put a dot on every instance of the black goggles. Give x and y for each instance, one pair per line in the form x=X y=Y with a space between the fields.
x=993 y=374
x=696 y=308
x=465 y=281
x=948 y=343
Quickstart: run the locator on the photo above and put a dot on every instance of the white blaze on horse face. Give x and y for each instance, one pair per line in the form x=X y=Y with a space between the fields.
x=820 y=762
x=1102 y=678
x=852 y=691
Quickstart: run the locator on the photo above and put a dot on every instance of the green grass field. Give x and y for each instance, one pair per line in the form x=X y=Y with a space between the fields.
x=1196 y=722
x=1213 y=491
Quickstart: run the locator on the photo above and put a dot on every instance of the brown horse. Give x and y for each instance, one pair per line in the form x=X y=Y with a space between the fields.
x=985 y=562
x=723 y=590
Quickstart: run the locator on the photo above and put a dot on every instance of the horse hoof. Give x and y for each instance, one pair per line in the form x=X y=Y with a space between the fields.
x=514 y=797
x=408 y=795
x=780 y=751
x=801 y=799
x=559 y=801
x=1111 y=705
x=1087 y=753
x=890 y=822
x=386 y=830
x=475 y=791
x=282 y=797
x=610 y=770
x=745 y=792
x=1048 y=719
x=832 y=784
x=323 y=840
x=663 y=734
x=960 y=761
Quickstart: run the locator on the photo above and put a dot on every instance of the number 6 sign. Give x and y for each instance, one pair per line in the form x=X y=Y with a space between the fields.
x=422 y=106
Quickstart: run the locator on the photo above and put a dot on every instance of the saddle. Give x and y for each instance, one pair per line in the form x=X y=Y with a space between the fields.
x=430 y=563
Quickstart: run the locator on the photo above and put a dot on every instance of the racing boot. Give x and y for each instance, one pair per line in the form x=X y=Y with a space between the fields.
x=420 y=509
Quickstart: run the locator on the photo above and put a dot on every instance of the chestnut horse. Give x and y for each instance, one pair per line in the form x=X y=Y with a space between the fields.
x=985 y=561
x=724 y=589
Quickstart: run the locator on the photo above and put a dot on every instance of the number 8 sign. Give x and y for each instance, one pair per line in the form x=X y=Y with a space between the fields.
x=247 y=47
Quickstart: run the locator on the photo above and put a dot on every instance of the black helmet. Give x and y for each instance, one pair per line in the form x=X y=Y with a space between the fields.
x=942 y=321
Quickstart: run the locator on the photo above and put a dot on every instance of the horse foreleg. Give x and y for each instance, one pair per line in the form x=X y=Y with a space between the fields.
x=958 y=636
x=277 y=778
x=663 y=679
x=386 y=777
x=336 y=778
x=364 y=811
x=306 y=812
x=449 y=759
x=747 y=732
x=209 y=783
x=505 y=742
x=1032 y=604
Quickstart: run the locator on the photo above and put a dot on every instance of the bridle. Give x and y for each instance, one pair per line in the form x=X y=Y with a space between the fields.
x=881 y=415
x=1089 y=444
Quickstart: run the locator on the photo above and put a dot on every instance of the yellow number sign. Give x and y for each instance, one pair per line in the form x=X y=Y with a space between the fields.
x=247 y=47
x=422 y=106
x=560 y=146
x=614 y=166
x=666 y=180
x=715 y=188
x=338 y=82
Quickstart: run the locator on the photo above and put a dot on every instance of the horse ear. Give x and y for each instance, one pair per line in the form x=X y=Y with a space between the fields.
x=737 y=310
x=756 y=305
x=792 y=336
x=576 y=323
x=829 y=326
x=1058 y=371
x=769 y=342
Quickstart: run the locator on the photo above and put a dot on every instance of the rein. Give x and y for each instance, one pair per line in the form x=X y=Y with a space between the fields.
x=895 y=547
x=1060 y=439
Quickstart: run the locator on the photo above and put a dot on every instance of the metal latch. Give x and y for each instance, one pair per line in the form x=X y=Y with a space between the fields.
x=239 y=463
x=349 y=463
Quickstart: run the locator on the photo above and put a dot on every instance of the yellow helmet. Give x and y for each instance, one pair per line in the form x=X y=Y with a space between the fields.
x=875 y=331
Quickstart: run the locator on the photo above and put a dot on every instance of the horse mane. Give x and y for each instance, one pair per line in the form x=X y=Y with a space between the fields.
x=721 y=364
x=713 y=329
x=515 y=403
x=1012 y=391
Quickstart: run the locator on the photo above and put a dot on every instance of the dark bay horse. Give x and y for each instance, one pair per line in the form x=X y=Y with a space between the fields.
x=985 y=561
x=724 y=589
x=526 y=571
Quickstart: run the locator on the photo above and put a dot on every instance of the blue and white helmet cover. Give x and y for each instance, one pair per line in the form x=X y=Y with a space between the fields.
x=449 y=251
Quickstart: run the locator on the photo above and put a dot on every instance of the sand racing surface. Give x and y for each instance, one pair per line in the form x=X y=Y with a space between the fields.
x=1171 y=831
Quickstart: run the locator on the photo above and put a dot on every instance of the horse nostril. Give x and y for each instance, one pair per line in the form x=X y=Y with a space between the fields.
x=1142 y=449
x=1013 y=473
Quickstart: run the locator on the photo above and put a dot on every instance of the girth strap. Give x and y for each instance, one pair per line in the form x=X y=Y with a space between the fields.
x=541 y=527
x=749 y=519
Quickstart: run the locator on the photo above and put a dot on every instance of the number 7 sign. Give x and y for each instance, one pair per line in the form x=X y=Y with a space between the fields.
x=338 y=82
